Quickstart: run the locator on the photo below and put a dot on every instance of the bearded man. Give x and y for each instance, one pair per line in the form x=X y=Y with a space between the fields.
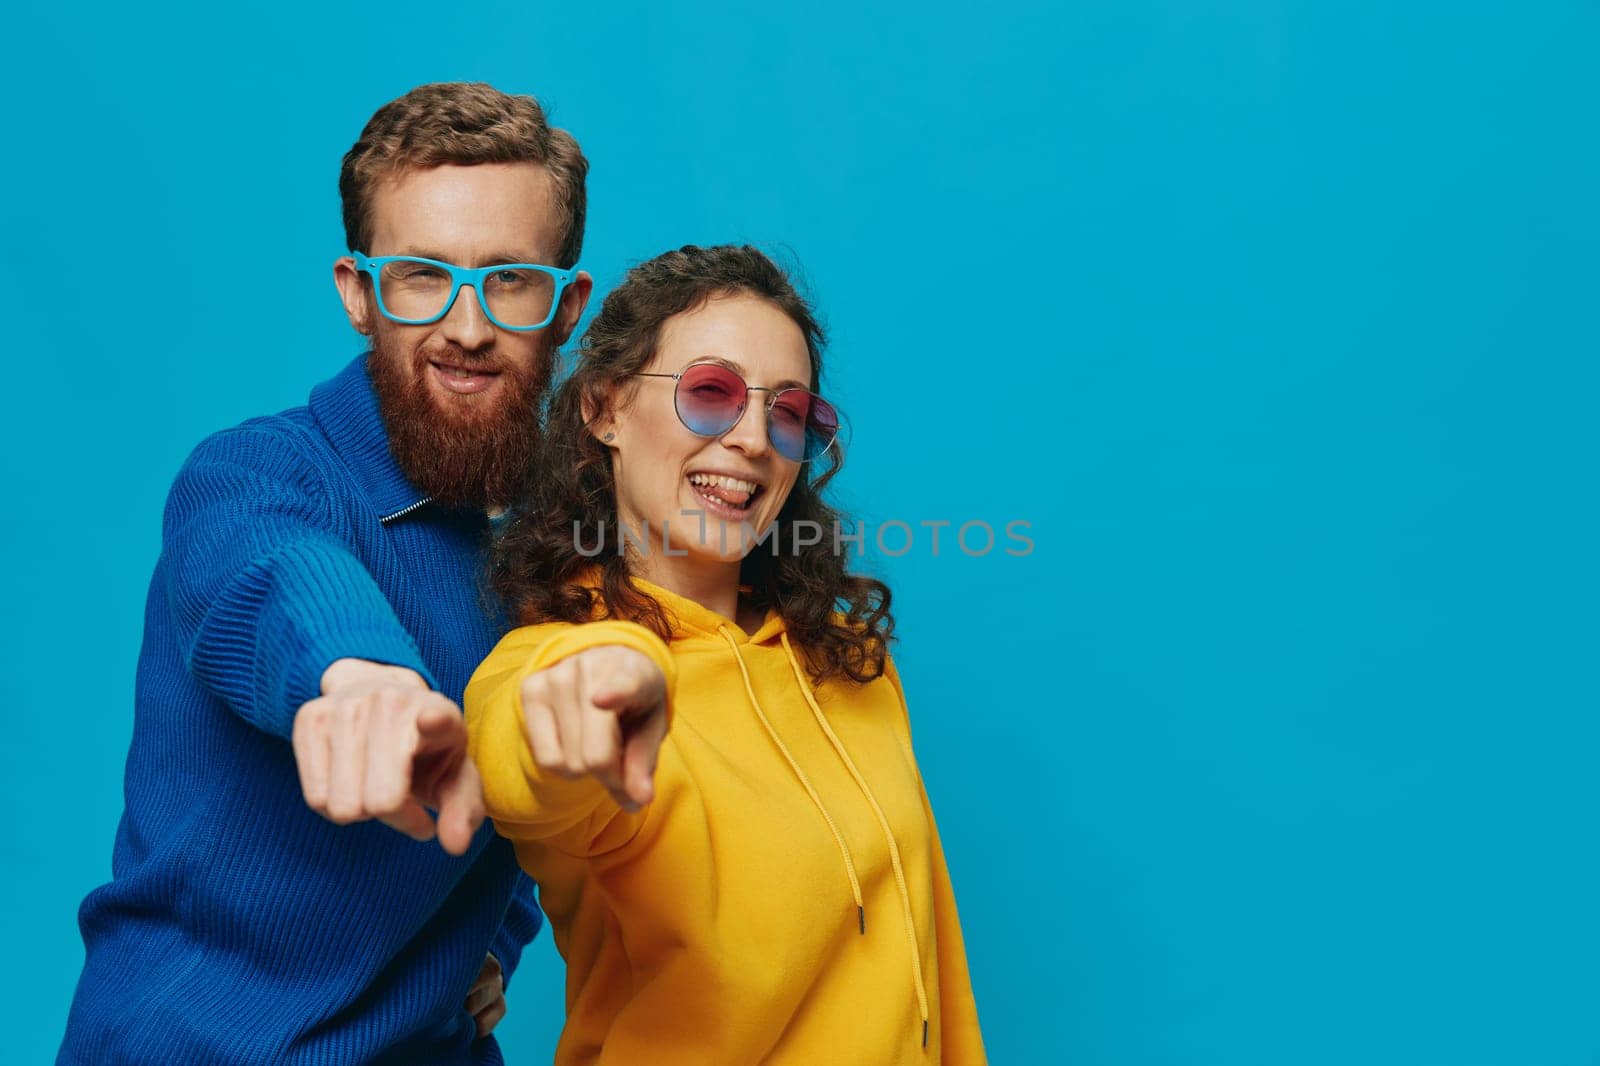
x=282 y=890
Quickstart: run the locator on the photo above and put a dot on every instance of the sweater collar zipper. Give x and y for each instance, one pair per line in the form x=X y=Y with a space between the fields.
x=407 y=509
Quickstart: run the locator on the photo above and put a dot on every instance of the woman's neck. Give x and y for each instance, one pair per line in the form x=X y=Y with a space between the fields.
x=714 y=586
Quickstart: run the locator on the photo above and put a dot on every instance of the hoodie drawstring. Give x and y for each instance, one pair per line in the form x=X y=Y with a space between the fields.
x=849 y=863
x=844 y=850
x=883 y=823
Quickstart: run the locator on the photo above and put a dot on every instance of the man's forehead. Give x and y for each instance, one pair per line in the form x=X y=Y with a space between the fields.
x=470 y=215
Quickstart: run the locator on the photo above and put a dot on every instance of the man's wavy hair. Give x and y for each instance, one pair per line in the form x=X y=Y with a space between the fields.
x=464 y=124
x=841 y=621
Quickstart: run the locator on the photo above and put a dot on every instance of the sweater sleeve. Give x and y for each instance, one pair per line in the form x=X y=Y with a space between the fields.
x=961 y=1041
x=263 y=593
x=577 y=817
x=521 y=924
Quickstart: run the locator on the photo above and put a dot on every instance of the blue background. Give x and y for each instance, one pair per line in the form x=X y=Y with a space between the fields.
x=1276 y=320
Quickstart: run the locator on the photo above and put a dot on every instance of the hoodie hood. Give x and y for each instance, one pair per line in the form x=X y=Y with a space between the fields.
x=690 y=619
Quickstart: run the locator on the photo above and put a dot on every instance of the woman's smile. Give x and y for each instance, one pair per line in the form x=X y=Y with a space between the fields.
x=725 y=495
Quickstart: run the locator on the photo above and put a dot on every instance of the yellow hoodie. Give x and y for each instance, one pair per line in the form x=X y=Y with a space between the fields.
x=783 y=898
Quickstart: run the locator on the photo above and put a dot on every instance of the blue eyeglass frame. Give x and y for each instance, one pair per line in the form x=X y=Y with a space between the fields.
x=469 y=277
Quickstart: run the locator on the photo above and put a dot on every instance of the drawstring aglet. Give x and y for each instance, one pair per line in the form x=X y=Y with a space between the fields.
x=924 y=1032
x=861 y=918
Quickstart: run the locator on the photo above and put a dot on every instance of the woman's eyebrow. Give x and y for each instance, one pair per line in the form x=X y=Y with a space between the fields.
x=786 y=383
x=720 y=361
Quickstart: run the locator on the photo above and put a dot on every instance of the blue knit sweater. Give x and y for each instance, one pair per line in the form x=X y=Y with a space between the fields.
x=239 y=926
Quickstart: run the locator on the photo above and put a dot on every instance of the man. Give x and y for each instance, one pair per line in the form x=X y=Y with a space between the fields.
x=277 y=893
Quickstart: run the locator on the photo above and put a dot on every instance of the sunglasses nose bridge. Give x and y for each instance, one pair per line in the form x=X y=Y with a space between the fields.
x=749 y=428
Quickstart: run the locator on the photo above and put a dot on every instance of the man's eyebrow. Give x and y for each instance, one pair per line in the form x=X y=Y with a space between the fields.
x=512 y=257
x=786 y=383
x=422 y=253
x=493 y=259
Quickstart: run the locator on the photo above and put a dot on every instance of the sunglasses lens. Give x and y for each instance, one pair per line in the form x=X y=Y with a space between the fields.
x=802 y=424
x=710 y=399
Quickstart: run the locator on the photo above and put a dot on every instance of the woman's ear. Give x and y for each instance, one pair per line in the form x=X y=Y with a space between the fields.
x=598 y=418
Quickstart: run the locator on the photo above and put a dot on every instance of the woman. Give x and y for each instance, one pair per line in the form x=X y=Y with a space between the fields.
x=758 y=878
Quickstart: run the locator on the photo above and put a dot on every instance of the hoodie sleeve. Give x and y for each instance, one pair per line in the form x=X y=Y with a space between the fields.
x=527 y=803
x=961 y=1042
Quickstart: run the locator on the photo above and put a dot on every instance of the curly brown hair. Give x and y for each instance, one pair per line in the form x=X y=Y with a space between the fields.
x=461 y=123
x=841 y=621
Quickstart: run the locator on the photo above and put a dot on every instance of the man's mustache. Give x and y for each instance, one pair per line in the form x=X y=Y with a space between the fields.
x=455 y=355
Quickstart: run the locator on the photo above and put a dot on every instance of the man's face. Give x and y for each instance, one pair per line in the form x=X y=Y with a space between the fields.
x=460 y=396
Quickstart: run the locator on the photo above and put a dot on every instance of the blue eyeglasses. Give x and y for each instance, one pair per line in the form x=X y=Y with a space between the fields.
x=413 y=291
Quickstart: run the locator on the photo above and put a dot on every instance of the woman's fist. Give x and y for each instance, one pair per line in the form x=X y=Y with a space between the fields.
x=601 y=712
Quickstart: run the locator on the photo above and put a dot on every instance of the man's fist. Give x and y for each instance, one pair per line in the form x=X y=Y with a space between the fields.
x=378 y=743
x=602 y=712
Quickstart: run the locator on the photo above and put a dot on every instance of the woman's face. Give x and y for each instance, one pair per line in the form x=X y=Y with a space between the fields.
x=702 y=490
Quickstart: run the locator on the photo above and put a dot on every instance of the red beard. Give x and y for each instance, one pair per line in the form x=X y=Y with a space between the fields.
x=461 y=458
